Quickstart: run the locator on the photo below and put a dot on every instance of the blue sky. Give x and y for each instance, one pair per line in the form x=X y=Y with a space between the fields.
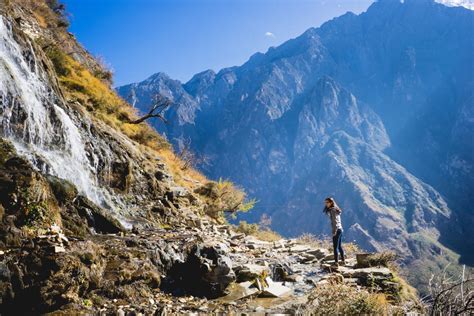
x=182 y=37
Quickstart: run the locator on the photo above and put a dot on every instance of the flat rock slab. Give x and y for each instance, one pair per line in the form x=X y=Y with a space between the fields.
x=249 y=271
x=364 y=272
x=299 y=248
x=245 y=289
x=275 y=289
x=318 y=253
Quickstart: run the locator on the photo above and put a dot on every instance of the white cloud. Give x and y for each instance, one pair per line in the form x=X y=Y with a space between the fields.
x=469 y=4
x=270 y=34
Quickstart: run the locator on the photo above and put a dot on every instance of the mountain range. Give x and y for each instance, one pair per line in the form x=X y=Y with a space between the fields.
x=374 y=109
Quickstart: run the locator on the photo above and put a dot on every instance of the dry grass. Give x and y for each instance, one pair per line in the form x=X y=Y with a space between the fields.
x=256 y=230
x=186 y=178
x=267 y=235
x=384 y=259
x=407 y=292
x=95 y=94
x=338 y=299
x=80 y=85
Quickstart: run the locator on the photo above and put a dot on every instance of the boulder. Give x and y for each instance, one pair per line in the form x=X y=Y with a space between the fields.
x=300 y=248
x=363 y=260
x=97 y=219
x=364 y=272
x=205 y=272
x=381 y=277
x=249 y=272
x=63 y=190
x=243 y=290
x=306 y=258
x=254 y=243
x=319 y=253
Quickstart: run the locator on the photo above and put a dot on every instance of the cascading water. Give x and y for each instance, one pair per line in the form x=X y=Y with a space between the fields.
x=39 y=128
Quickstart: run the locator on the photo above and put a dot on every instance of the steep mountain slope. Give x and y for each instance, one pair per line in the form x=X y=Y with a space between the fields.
x=372 y=108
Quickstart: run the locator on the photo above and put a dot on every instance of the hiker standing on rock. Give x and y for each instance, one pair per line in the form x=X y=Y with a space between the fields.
x=334 y=212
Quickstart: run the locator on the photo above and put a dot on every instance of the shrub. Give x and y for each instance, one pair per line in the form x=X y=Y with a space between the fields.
x=59 y=61
x=35 y=213
x=257 y=230
x=338 y=299
x=385 y=259
x=224 y=197
x=246 y=228
x=451 y=296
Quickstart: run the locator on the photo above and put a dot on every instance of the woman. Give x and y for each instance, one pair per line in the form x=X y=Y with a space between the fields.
x=334 y=212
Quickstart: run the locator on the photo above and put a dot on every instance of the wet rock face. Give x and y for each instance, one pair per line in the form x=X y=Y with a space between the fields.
x=97 y=219
x=30 y=199
x=120 y=176
x=205 y=273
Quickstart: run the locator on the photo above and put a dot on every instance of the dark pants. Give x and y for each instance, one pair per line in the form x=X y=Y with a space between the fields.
x=337 y=245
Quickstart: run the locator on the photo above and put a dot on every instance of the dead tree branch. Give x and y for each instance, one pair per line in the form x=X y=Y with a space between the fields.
x=159 y=105
x=449 y=297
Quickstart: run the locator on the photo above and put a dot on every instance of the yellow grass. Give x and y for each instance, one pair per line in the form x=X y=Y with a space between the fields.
x=80 y=85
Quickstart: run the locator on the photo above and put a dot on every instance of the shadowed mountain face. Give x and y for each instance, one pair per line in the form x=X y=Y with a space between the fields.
x=375 y=109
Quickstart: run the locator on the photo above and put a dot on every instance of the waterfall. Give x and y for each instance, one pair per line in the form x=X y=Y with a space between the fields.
x=40 y=129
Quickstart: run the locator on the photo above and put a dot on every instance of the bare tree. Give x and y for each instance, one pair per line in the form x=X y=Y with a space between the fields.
x=265 y=222
x=451 y=297
x=188 y=157
x=159 y=105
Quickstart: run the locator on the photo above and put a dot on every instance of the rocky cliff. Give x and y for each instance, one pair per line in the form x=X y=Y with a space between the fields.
x=372 y=109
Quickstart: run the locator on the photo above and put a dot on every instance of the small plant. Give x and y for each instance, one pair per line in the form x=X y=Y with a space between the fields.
x=87 y=303
x=35 y=213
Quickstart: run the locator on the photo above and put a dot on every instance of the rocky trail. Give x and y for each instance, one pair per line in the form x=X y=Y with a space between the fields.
x=196 y=267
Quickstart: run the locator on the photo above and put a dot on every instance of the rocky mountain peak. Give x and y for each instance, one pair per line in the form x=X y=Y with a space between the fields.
x=198 y=84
